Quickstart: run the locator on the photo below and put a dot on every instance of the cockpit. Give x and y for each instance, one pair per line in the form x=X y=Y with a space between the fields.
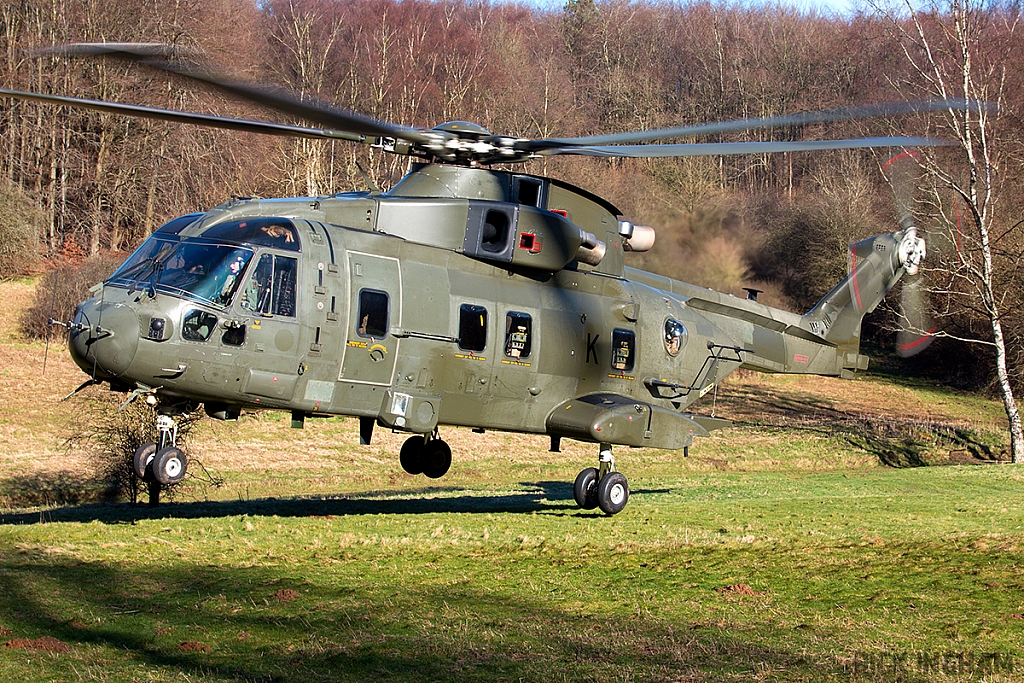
x=211 y=266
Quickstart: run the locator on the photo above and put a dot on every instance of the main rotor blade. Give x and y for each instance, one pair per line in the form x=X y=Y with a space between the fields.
x=828 y=116
x=187 y=117
x=156 y=55
x=726 y=148
x=133 y=51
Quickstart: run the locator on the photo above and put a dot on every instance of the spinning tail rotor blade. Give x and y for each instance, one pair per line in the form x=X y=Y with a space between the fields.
x=900 y=171
x=917 y=331
x=916 y=327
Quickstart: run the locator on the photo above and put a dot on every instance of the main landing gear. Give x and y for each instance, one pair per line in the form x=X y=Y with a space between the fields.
x=426 y=454
x=604 y=488
x=162 y=462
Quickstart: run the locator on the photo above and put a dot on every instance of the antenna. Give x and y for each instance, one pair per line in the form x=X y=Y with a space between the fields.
x=49 y=317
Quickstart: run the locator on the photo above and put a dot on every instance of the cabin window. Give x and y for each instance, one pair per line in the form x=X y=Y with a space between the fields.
x=472 y=327
x=198 y=325
x=373 y=313
x=271 y=289
x=518 y=333
x=675 y=336
x=623 y=350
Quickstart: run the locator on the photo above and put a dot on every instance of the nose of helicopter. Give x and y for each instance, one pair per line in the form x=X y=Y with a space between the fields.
x=104 y=338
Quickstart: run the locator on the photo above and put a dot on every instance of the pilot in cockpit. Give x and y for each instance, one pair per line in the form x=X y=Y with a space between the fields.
x=234 y=271
x=177 y=272
x=277 y=232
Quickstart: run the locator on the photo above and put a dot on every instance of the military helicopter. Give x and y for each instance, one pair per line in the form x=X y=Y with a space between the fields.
x=463 y=296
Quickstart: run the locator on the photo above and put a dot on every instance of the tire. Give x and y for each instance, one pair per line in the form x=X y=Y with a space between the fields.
x=437 y=459
x=411 y=455
x=142 y=459
x=613 y=493
x=169 y=465
x=584 y=490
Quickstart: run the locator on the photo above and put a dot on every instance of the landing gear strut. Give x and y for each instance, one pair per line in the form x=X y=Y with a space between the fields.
x=161 y=462
x=426 y=454
x=604 y=488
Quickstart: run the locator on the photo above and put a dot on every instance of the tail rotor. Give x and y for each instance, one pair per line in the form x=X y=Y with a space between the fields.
x=916 y=327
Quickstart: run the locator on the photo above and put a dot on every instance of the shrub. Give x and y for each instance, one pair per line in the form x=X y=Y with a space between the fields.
x=112 y=433
x=62 y=289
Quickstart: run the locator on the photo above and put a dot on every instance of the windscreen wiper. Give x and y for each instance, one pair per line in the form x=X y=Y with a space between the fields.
x=148 y=268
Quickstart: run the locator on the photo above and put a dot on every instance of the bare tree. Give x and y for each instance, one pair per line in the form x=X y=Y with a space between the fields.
x=964 y=49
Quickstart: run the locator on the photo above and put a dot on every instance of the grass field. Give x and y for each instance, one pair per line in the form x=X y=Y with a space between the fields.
x=784 y=549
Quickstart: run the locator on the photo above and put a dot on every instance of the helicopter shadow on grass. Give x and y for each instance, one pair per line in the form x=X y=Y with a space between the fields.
x=534 y=497
x=545 y=497
x=747 y=406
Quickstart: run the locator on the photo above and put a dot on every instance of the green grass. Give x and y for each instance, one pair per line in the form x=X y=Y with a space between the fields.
x=860 y=575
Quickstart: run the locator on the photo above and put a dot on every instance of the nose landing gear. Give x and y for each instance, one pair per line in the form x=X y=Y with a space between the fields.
x=604 y=488
x=163 y=463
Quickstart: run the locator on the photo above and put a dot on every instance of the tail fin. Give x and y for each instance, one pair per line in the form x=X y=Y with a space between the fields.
x=876 y=265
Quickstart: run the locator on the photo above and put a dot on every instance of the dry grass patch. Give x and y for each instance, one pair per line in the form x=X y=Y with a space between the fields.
x=34 y=422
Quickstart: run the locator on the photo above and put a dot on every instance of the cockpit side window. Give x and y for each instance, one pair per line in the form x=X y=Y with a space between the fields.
x=271 y=288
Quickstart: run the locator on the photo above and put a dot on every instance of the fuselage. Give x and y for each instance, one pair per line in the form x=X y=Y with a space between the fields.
x=464 y=297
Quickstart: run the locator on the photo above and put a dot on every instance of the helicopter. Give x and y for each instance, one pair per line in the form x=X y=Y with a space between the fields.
x=466 y=295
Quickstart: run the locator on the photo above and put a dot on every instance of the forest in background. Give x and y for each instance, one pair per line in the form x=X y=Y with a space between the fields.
x=75 y=183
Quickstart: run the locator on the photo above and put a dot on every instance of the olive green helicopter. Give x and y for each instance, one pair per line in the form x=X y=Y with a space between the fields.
x=463 y=296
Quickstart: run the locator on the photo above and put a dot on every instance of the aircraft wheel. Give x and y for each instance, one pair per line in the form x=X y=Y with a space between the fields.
x=437 y=458
x=169 y=465
x=584 y=490
x=142 y=459
x=613 y=493
x=411 y=455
